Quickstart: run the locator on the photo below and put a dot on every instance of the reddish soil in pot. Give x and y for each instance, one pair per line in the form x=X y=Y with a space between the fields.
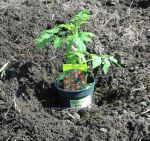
x=121 y=109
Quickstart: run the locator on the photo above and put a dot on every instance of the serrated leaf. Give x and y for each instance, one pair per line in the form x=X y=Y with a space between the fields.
x=61 y=34
x=69 y=42
x=83 y=16
x=96 y=61
x=68 y=26
x=43 y=39
x=115 y=61
x=84 y=37
x=58 y=42
x=53 y=30
x=72 y=58
x=106 y=65
x=80 y=44
x=79 y=23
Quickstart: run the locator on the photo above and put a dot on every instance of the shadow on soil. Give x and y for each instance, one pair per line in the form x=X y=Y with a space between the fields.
x=46 y=95
x=21 y=72
x=111 y=97
x=144 y=4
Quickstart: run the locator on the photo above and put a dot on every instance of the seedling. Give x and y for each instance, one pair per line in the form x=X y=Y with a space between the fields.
x=71 y=36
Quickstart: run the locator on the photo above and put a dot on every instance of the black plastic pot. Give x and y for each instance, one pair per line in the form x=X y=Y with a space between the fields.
x=78 y=98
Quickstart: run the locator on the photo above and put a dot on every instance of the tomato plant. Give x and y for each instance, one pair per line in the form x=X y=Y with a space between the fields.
x=74 y=39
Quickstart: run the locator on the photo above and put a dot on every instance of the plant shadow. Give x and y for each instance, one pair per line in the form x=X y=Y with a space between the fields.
x=112 y=97
x=21 y=72
x=47 y=95
x=43 y=91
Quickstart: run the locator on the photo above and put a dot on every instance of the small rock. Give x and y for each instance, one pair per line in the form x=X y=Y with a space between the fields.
x=112 y=2
x=132 y=97
x=132 y=69
x=124 y=111
x=119 y=102
x=125 y=105
x=143 y=103
x=77 y=116
x=132 y=114
x=104 y=130
x=71 y=116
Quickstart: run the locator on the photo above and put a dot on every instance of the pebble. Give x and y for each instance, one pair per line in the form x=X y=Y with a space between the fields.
x=77 y=116
x=132 y=97
x=113 y=2
x=104 y=130
x=124 y=111
x=144 y=103
x=132 y=114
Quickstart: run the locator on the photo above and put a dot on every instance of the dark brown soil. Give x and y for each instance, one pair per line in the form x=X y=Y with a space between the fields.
x=121 y=109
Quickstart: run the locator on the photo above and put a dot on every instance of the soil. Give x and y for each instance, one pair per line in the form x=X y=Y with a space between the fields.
x=121 y=101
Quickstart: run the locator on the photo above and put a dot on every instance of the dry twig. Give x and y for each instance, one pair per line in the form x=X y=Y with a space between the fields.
x=148 y=110
x=3 y=69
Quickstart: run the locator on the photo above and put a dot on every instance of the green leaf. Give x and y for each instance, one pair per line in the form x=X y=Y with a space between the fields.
x=106 y=65
x=96 y=61
x=70 y=40
x=71 y=58
x=61 y=34
x=115 y=61
x=81 y=57
x=68 y=26
x=84 y=37
x=58 y=42
x=53 y=30
x=82 y=16
x=80 y=45
x=69 y=43
x=43 y=39
x=79 y=23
